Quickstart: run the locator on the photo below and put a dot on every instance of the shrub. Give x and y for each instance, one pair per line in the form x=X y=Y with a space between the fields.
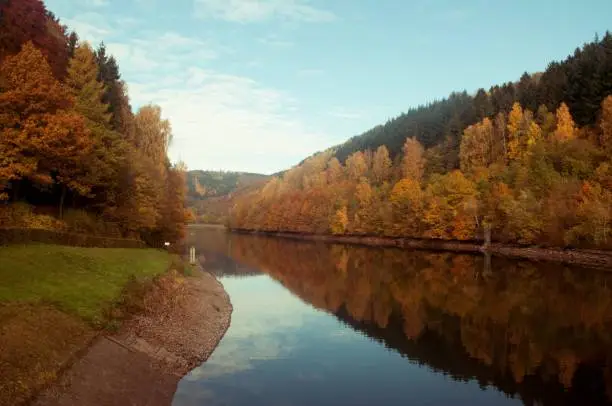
x=80 y=221
x=21 y=215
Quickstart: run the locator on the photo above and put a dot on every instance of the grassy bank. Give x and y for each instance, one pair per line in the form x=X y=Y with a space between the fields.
x=53 y=301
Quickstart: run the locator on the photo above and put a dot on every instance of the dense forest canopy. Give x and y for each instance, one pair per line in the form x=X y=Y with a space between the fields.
x=73 y=154
x=530 y=162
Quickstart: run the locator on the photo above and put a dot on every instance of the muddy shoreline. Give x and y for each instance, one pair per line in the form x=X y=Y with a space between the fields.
x=144 y=361
x=587 y=258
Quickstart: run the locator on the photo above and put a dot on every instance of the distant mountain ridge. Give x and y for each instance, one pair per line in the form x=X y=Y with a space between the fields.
x=210 y=193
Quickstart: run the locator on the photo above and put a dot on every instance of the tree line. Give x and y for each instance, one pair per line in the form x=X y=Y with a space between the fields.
x=581 y=81
x=528 y=177
x=69 y=137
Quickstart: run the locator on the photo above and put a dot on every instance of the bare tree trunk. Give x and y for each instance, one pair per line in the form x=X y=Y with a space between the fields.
x=62 y=199
x=15 y=185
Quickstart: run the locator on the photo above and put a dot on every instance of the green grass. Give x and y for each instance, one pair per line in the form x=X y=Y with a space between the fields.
x=79 y=281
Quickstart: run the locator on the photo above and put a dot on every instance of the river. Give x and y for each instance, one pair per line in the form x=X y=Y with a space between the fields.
x=328 y=324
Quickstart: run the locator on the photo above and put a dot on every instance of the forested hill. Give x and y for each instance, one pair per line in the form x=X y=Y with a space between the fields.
x=581 y=81
x=530 y=161
x=204 y=184
x=211 y=193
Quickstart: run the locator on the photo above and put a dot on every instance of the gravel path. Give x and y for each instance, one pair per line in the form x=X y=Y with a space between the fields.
x=143 y=363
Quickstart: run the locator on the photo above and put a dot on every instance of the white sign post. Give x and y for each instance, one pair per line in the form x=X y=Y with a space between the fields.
x=192 y=256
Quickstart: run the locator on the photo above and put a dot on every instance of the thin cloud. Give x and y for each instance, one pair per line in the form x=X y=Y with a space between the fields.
x=228 y=121
x=219 y=120
x=90 y=26
x=248 y=11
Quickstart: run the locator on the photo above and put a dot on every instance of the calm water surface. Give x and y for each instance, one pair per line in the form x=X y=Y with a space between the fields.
x=325 y=324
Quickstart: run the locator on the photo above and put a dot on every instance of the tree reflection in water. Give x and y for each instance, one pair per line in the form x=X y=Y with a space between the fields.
x=542 y=331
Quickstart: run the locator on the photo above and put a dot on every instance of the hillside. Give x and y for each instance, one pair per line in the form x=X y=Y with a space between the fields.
x=530 y=162
x=582 y=81
x=210 y=194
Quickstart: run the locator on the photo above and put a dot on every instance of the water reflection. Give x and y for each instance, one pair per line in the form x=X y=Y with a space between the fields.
x=535 y=332
x=213 y=248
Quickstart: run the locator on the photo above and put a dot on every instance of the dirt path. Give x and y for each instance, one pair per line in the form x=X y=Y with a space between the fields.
x=143 y=363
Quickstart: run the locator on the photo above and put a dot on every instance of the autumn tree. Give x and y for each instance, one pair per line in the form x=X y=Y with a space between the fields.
x=515 y=131
x=523 y=132
x=153 y=135
x=339 y=222
x=499 y=149
x=451 y=209
x=25 y=21
x=594 y=214
x=173 y=213
x=364 y=214
x=356 y=166
x=413 y=163
x=42 y=138
x=566 y=128
x=88 y=92
x=605 y=124
x=546 y=120
x=407 y=202
x=381 y=165
x=335 y=171
x=476 y=146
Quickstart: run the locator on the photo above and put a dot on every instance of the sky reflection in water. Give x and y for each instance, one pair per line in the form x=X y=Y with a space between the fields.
x=281 y=351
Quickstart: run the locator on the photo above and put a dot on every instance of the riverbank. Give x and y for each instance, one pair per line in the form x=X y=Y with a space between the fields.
x=143 y=363
x=587 y=258
x=102 y=326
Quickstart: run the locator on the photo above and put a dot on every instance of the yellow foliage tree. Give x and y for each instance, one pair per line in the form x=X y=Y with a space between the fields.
x=476 y=146
x=515 y=119
x=566 y=128
x=413 y=163
x=407 y=205
x=534 y=133
x=339 y=222
x=381 y=165
x=356 y=166
x=335 y=171
x=451 y=210
x=523 y=132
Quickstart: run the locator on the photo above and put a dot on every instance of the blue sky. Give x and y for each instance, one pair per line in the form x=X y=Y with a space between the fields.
x=257 y=85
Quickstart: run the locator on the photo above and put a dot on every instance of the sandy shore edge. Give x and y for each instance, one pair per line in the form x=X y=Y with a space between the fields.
x=143 y=362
